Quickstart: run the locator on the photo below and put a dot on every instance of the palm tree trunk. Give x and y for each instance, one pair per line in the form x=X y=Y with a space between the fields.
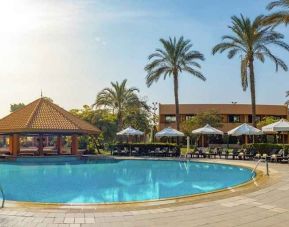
x=253 y=93
x=176 y=90
x=119 y=121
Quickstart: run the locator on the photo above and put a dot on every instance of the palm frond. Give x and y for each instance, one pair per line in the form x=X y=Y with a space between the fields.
x=175 y=56
x=279 y=3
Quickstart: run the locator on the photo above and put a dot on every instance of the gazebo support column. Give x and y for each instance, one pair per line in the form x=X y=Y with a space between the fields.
x=74 y=145
x=40 y=145
x=59 y=144
x=14 y=146
x=11 y=144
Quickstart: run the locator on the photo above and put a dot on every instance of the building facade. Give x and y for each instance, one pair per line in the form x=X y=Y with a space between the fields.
x=232 y=114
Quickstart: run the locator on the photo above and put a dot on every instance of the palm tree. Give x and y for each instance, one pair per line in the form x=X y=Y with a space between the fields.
x=281 y=16
x=251 y=39
x=175 y=57
x=118 y=98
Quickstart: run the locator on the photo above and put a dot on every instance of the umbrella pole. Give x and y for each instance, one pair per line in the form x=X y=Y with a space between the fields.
x=203 y=141
x=246 y=139
x=283 y=138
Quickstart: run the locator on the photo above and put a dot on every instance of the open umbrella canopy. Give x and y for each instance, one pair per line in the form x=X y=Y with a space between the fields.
x=130 y=132
x=280 y=126
x=207 y=130
x=169 y=132
x=245 y=129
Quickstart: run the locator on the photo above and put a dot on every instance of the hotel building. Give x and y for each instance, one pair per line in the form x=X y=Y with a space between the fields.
x=232 y=114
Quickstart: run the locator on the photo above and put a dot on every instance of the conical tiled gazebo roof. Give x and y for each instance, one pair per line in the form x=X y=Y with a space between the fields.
x=43 y=116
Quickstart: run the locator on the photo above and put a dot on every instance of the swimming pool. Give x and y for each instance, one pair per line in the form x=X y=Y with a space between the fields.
x=61 y=180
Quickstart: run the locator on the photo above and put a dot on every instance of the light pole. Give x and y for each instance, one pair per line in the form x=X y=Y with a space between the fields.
x=154 y=109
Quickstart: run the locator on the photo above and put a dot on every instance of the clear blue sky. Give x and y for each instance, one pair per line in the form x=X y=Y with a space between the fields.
x=71 y=49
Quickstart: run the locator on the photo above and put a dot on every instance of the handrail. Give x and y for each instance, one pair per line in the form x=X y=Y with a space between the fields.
x=3 y=196
x=258 y=162
x=266 y=163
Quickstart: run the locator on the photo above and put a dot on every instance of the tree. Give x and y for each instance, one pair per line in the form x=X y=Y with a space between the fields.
x=138 y=118
x=175 y=57
x=16 y=106
x=210 y=117
x=119 y=98
x=48 y=98
x=102 y=119
x=251 y=39
x=279 y=17
x=267 y=121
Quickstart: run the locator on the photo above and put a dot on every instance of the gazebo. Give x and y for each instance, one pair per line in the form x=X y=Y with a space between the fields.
x=41 y=119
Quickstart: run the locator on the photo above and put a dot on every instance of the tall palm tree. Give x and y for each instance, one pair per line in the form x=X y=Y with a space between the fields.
x=175 y=57
x=118 y=98
x=251 y=39
x=281 y=16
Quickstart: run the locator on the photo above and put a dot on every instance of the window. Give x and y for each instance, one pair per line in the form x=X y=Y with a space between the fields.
x=234 y=118
x=170 y=118
x=189 y=117
x=258 y=118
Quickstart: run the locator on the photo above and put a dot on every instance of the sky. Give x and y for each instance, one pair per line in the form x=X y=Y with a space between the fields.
x=71 y=49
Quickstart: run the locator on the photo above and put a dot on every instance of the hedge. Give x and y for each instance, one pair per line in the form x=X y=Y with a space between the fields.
x=267 y=147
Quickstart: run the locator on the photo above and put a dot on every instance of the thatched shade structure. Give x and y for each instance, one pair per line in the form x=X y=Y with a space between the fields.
x=41 y=118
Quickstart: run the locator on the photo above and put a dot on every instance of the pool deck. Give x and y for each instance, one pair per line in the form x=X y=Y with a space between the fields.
x=264 y=203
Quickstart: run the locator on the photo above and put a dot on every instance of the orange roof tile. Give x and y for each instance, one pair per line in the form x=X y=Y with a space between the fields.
x=43 y=116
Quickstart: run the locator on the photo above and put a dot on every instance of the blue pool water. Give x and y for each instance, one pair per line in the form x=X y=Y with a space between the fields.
x=105 y=181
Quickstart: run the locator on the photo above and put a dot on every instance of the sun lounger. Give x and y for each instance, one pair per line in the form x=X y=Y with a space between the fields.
x=235 y=153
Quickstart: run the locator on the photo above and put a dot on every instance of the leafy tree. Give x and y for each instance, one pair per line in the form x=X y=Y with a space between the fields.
x=16 y=106
x=279 y=17
x=48 y=98
x=102 y=119
x=176 y=57
x=138 y=118
x=266 y=121
x=251 y=40
x=210 y=117
x=118 y=99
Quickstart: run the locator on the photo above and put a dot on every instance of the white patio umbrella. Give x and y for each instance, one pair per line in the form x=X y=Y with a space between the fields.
x=246 y=130
x=129 y=131
x=280 y=126
x=207 y=130
x=169 y=132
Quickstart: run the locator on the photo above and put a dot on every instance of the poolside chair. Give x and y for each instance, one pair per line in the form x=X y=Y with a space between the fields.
x=172 y=152
x=191 y=153
x=135 y=151
x=224 y=152
x=285 y=157
x=206 y=152
x=241 y=154
x=151 y=152
x=277 y=156
x=213 y=152
x=250 y=154
x=124 y=151
x=115 y=151
x=235 y=153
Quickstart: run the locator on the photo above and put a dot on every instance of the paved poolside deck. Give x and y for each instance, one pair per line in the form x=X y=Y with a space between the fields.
x=264 y=206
